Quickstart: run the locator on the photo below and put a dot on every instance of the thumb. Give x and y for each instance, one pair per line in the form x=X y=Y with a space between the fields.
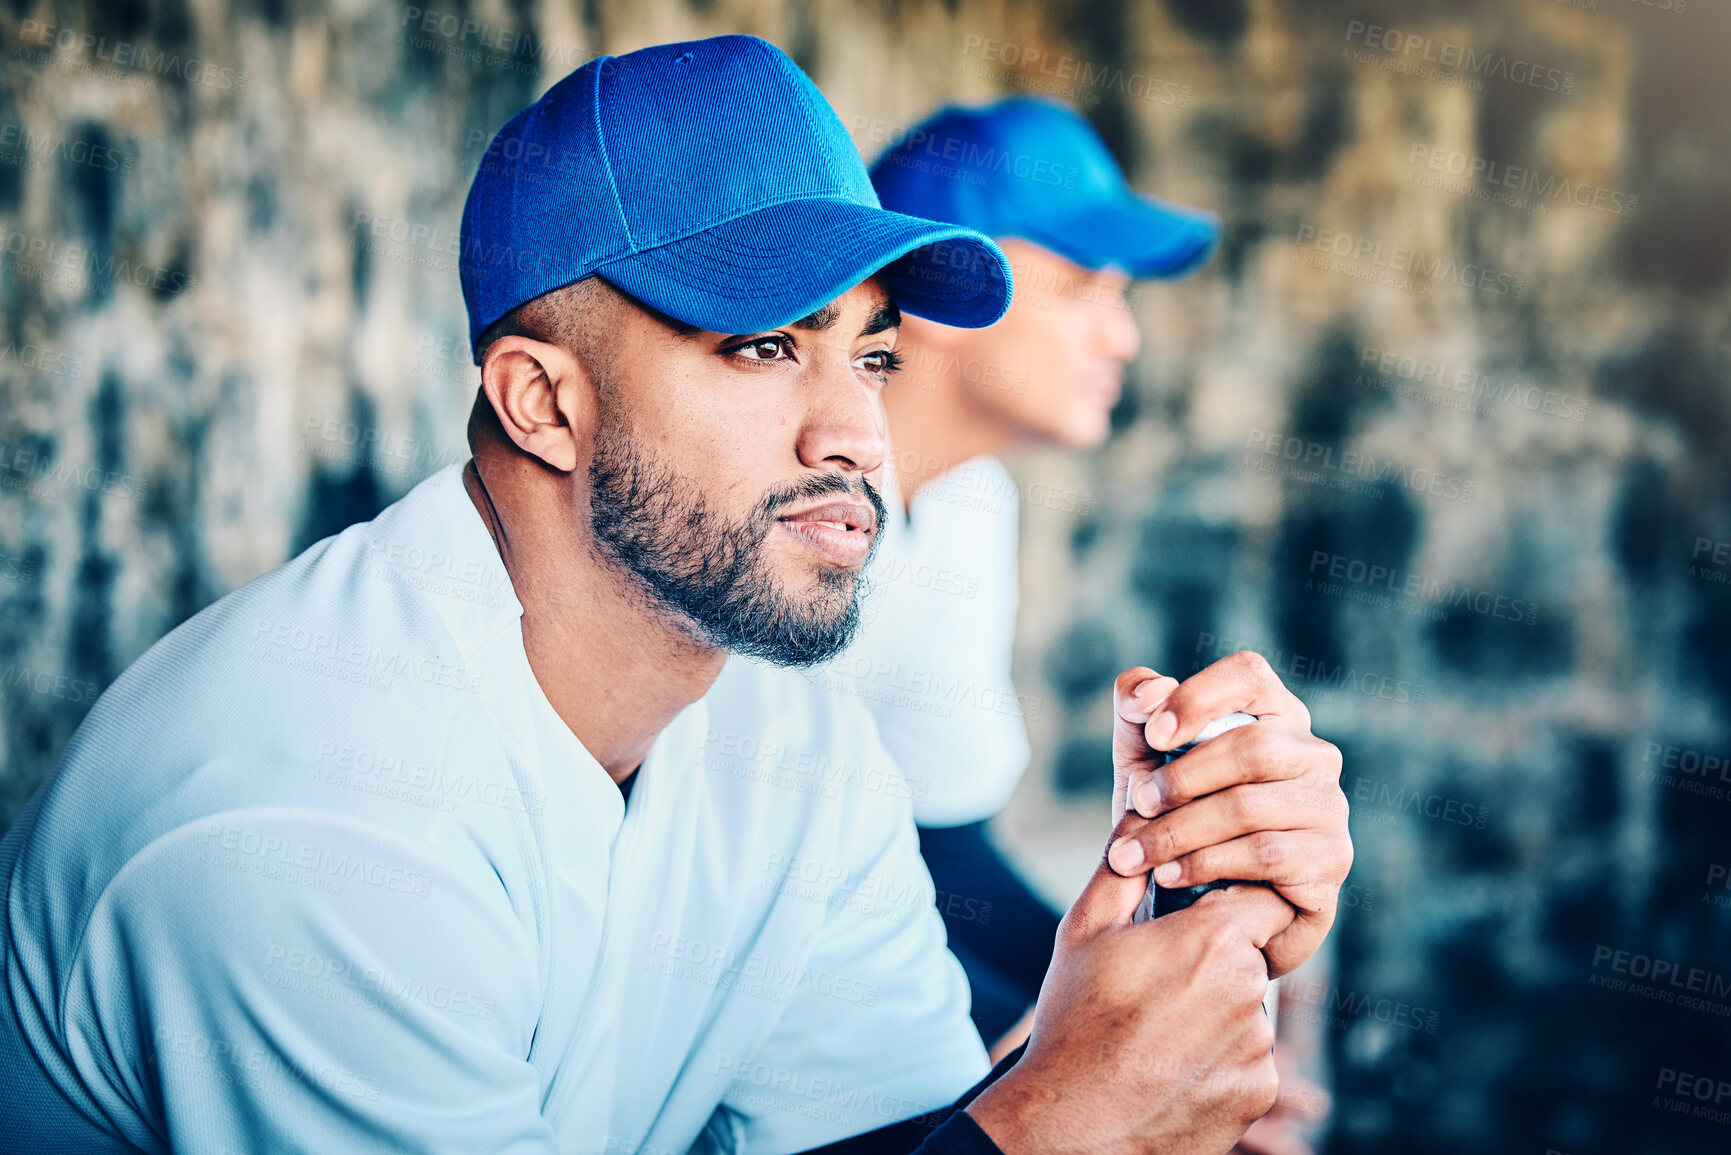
x=1109 y=899
x=1134 y=696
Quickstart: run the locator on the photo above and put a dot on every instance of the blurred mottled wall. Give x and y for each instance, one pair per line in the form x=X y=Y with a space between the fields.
x=1440 y=433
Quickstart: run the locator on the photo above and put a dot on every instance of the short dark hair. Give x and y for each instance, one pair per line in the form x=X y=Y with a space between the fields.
x=550 y=317
x=564 y=316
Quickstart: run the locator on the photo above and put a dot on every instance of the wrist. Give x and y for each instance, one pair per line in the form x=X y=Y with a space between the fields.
x=1009 y=1112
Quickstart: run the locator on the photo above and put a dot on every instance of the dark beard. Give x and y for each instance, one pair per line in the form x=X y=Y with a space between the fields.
x=715 y=573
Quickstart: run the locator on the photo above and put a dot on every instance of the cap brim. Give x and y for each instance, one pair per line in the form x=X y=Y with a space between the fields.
x=786 y=261
x=1142 y=236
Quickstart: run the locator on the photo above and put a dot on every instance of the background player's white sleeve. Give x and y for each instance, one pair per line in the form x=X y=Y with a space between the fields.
x=275 y=980
x=933 y=658
x=877 y=1029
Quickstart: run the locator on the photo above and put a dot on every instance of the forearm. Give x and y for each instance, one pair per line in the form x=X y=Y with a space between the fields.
x=946 y=1131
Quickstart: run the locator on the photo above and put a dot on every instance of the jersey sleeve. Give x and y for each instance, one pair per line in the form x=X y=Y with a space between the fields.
x=947 y=1131
x=270 y=980
x=877 y=1028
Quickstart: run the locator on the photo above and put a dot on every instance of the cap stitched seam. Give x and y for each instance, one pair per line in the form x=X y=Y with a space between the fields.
x=607 y=155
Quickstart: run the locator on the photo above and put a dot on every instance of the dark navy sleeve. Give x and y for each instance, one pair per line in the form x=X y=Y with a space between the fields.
x=946 y=1131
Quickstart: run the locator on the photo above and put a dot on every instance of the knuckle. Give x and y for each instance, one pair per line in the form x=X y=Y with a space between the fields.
x=1256 y=667
x=1249 y=809
x=1265 y=1085
x=1220 y=943
x=1165 y=841
x=1262 y=744
x=1265 y=848
x=1261 y=1032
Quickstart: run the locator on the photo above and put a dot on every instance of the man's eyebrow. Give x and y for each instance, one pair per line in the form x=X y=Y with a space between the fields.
x=820 y=320
x=887 y=317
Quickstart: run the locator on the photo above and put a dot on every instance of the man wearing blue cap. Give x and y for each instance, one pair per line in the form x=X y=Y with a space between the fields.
x=1034 y=175
x=460 y=832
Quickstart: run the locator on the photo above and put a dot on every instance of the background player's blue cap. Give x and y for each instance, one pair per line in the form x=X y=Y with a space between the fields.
x=712 y=181
x=1033 y=168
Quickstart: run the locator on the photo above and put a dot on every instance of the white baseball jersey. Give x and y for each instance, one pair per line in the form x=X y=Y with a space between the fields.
x=324 y=871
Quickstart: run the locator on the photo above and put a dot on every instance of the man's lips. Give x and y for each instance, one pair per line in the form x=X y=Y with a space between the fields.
x=1106 y=387
x=839 y=530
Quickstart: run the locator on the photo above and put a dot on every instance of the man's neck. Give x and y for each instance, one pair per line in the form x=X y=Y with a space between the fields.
x=611 y=663
x=933 y=427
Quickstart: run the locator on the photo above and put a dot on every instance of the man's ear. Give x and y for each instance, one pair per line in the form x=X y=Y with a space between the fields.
x=544 y=398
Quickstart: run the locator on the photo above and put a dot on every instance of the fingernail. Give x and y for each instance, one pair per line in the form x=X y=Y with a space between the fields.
x=1156 y=690
x=1167 y=874
x=1125 y=856
x=1148 y=799
x=1162 y=726
x=1141 y=703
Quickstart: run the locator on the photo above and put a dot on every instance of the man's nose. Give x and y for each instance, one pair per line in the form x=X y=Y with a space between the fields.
x=843 y=422
x=1120 y=338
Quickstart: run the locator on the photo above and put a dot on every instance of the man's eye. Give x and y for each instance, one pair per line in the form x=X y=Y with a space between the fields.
x=883 y=361
x=764 y=349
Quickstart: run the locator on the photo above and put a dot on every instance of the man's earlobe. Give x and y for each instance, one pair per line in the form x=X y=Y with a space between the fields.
x=543 y=398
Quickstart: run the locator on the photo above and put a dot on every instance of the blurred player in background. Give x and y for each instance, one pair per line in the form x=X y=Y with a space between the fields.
x=933 y=659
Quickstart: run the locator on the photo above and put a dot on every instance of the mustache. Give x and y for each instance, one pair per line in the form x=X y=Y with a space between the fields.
x=816 y=486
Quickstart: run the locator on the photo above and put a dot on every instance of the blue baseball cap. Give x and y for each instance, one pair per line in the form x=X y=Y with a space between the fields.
x=1033 y=168
x=712 y=181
